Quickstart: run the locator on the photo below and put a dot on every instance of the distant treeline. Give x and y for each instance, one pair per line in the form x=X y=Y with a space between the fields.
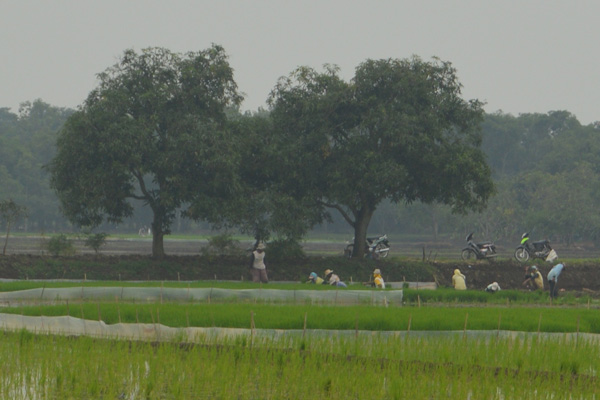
x=546 y=168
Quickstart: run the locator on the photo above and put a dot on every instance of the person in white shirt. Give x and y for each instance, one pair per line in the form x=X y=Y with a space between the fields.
x=258 y=269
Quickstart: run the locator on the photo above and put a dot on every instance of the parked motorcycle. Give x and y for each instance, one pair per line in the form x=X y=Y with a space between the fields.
x=479 y=251
x=376 y=247
x=540 y=249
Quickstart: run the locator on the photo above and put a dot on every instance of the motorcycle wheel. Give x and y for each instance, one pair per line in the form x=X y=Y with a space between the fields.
x=468 y=254
x=348 y=250
x=521 y=254
x=382 y=250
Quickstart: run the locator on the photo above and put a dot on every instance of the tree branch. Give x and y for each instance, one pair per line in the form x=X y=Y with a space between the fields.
x=146 y=196
x=341 y=211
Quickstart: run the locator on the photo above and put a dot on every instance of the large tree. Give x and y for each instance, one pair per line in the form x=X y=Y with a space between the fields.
x=262 y=204
x=10 y=212
x=26 y=144
x=398 y=130
x=152 y=131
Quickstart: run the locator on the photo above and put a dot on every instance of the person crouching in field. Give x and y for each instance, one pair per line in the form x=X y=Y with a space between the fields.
x=458 y=280
x=315 y=279
x=533 y=279
x=333 y=279
x=258 y=269
x=378 y=280
x=493 y=287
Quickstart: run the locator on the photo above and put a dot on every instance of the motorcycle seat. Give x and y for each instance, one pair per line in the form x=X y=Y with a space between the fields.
x=541 y=242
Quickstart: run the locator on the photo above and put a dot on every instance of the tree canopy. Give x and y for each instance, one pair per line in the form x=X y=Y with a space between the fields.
x=151 y=131
x=398 y=130
x=266 y=204
x=27 y=143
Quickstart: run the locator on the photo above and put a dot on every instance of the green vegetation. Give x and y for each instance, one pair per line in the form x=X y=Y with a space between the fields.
x=532 y=157
x=286 y=316
x=152 y=131
x=60 y=245
x=95 y=240
x=293 y=368
x=10 y=212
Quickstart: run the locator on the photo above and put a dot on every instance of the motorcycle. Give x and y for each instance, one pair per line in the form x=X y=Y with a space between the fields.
x=376 y=247
x=540 y=249
x=480 y=251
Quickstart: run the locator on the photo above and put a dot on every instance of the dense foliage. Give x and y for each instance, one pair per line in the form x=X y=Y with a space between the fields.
x=152 y=131
x=544 y=166
x=27 y=143
x=398 y=131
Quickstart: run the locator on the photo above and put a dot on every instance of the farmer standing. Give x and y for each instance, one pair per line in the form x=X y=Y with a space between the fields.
x=258 y=269
x=553 y=278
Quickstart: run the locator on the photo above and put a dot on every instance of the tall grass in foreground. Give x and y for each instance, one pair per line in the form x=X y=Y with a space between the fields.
x=363 y=317
x=43 y=367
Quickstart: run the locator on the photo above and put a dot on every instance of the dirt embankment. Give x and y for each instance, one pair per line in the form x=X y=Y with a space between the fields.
x=509 y=274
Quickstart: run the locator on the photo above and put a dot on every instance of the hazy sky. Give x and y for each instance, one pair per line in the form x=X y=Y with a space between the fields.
x=518 y=56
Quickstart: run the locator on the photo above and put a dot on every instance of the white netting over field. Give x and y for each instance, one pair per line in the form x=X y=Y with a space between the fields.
x=154 y=294
x=71 y=326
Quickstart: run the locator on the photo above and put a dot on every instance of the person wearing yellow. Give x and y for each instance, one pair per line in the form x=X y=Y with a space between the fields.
x=378 y=280
x=314 y=278
x=458 y=280
x=534 y=279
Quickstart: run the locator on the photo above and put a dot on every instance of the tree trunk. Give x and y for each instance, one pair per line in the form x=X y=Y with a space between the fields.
x=360 y=231
x=158 y=249
x=434 y=222
x=158 y=233
x=6 y=240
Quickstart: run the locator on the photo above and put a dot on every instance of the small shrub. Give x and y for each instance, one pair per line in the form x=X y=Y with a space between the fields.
x=222 y=245
x=285 y=249
x=95 y=241
x=60 y=245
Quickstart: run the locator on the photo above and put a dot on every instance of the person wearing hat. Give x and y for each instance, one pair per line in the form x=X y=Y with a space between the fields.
x=533 y=279
x=314 y=278
x=458 y=280
x=553 y=278
x=333 y=279
x=258 y=269
x=378 y=280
